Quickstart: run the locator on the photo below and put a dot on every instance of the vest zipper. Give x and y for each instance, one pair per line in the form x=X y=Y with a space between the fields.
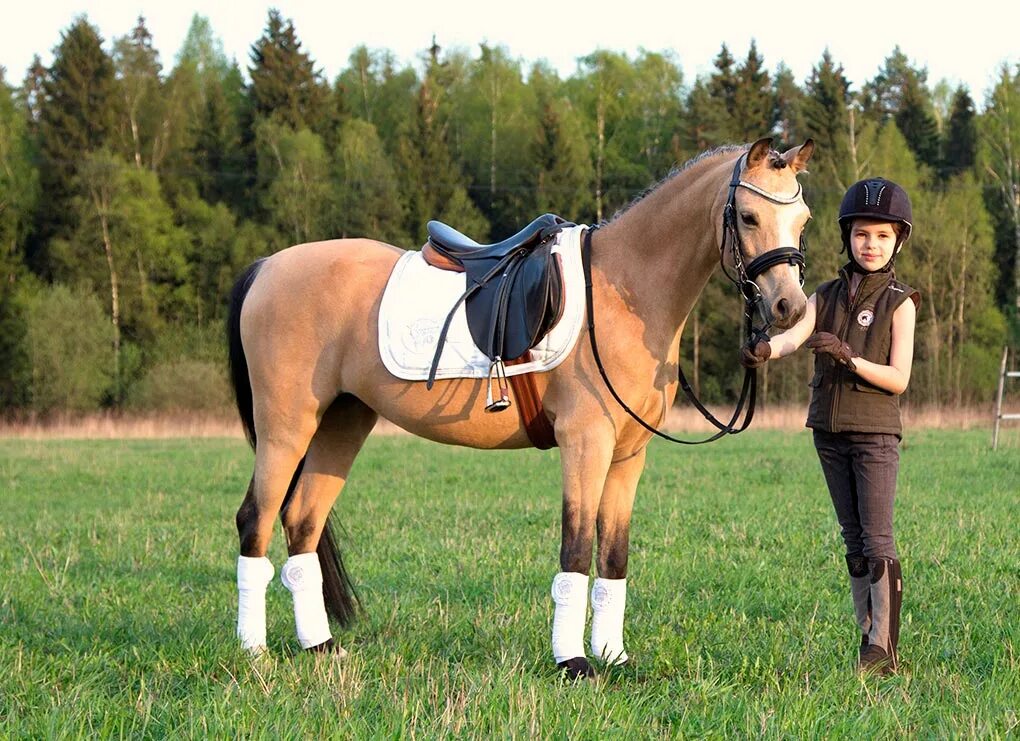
x=841 y=334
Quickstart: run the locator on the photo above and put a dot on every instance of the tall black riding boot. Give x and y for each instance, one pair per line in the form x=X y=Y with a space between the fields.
x=860 y=591
x=886 y=600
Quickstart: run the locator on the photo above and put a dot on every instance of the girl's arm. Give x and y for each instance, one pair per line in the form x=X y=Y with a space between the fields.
x=786 y=342
x=895 y=376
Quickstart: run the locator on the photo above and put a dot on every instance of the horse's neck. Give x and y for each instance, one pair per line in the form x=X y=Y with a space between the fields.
x=662 y=251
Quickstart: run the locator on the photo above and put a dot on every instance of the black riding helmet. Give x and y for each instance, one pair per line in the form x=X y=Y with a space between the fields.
x=879 y=199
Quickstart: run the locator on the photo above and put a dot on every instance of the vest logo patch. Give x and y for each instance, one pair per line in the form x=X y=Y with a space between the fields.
x=866 y=317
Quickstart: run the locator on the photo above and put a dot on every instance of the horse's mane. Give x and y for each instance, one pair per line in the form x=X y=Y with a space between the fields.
x=775 y=160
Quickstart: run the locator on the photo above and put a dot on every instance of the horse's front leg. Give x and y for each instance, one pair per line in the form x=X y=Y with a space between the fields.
x=609 y=592
x=585 y=459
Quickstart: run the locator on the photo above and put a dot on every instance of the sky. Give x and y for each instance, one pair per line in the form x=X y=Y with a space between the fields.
x=965 y=46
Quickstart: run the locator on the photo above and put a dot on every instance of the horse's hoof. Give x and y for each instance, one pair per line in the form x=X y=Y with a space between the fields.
x=330 y=647
x=576 y=668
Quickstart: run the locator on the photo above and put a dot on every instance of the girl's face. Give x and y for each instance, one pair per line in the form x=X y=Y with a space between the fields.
x=872 y=243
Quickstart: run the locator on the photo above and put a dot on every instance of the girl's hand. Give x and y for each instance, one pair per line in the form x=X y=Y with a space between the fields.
x=829 y=344
x=755 y=353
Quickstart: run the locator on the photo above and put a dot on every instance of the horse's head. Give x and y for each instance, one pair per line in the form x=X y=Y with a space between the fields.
x=767 y=214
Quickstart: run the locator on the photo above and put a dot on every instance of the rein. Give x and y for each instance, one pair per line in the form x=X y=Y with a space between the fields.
x=753 y=303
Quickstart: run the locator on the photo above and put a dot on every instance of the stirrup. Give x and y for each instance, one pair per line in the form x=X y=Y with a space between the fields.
x=498 y=371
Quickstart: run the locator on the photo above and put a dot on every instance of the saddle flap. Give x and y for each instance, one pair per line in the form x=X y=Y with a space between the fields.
x=510 y=315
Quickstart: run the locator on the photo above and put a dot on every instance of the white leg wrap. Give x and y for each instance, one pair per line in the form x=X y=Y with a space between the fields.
x=302 y=575
x=253 y=576
x=570 y=593
x=608 y=600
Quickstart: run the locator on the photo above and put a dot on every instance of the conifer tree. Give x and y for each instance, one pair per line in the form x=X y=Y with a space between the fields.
x=284 y=82
x=560 y=151
x=77 y=116
x=899 y=92
x=19 y=185
x=754 y=102
x=961 y=135
x=789 y=112
x=433 y=185
x=827 y=95
x=219 y=104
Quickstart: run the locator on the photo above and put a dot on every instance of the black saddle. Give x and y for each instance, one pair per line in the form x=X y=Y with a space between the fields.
x=514 y=291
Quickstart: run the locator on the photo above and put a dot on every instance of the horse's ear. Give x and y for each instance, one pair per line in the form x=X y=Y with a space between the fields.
x=798 y=157
x=758 y=152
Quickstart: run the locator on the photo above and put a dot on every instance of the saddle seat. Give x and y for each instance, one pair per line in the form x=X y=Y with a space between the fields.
x=448 y=248
x=513 y=296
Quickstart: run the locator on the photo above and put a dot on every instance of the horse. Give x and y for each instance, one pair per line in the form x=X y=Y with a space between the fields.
x=310 y=386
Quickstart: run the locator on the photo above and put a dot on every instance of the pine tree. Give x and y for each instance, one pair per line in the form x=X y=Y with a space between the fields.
x=961 y=135
x=284 y=82
x=77 y=116
x=433 y=185
x=827 y=95
x=754 y=102
x=218 y=105
x=19 y=185
x=712 y=105
x=899 y=92
x=789 y=111
x=560 y=151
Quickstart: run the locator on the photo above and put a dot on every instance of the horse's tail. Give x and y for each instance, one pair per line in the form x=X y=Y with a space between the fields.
x=238 y=363
x=338 y=591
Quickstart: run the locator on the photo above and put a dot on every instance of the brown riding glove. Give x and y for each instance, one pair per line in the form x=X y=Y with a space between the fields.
x=755 y=353
x=829 y=344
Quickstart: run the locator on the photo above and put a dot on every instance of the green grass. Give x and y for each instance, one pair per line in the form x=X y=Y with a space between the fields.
x=117 y=597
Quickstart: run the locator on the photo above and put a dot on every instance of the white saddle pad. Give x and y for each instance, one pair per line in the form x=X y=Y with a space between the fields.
x=419 y=297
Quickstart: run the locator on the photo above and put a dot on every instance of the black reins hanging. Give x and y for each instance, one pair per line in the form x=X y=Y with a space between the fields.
x=753 y=302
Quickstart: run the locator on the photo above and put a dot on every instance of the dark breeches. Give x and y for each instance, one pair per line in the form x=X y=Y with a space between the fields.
x=860 y=469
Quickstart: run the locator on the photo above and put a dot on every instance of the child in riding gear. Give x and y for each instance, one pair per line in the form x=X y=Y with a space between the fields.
x=861 y=328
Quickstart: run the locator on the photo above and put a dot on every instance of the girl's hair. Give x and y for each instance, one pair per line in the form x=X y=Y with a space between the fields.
x=897 y=226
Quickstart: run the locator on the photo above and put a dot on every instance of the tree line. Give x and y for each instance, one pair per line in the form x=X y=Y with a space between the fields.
x=131 y=195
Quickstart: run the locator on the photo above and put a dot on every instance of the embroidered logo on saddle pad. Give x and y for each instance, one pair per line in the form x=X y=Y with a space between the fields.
x=419 y=297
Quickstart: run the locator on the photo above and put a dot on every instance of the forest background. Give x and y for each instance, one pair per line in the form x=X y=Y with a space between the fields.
x=132 y=195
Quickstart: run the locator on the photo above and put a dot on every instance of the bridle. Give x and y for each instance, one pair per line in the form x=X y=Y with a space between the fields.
x=754 y=303
x=745 y=277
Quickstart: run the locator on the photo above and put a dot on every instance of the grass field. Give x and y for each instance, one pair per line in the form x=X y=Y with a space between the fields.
x=117 y=597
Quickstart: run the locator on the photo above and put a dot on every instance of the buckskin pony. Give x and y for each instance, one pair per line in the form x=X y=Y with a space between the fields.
x=310 y=386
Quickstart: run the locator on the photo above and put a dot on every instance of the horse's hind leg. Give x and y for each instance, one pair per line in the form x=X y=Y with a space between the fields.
x=342 y=432
x=283 y=438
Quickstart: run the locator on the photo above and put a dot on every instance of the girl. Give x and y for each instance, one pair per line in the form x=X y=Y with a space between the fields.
x=861 y=328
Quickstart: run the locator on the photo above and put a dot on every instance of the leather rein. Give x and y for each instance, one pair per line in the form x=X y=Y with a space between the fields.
x=754 y=303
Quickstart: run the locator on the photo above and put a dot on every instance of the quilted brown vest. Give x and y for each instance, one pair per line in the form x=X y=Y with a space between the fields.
x=841 y=401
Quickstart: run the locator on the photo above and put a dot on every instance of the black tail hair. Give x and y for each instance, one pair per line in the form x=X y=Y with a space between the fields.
x=342 y=602
x=235 y=351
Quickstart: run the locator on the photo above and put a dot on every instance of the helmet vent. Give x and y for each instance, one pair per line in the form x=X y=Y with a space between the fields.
x=878 y=186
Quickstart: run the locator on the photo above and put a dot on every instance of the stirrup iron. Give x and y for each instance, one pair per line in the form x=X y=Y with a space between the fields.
x=497 y=371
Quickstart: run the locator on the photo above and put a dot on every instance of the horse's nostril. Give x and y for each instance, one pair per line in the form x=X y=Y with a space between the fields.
x=782 y=309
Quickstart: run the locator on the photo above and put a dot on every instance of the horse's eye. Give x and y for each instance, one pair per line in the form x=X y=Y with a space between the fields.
x=749 y=219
